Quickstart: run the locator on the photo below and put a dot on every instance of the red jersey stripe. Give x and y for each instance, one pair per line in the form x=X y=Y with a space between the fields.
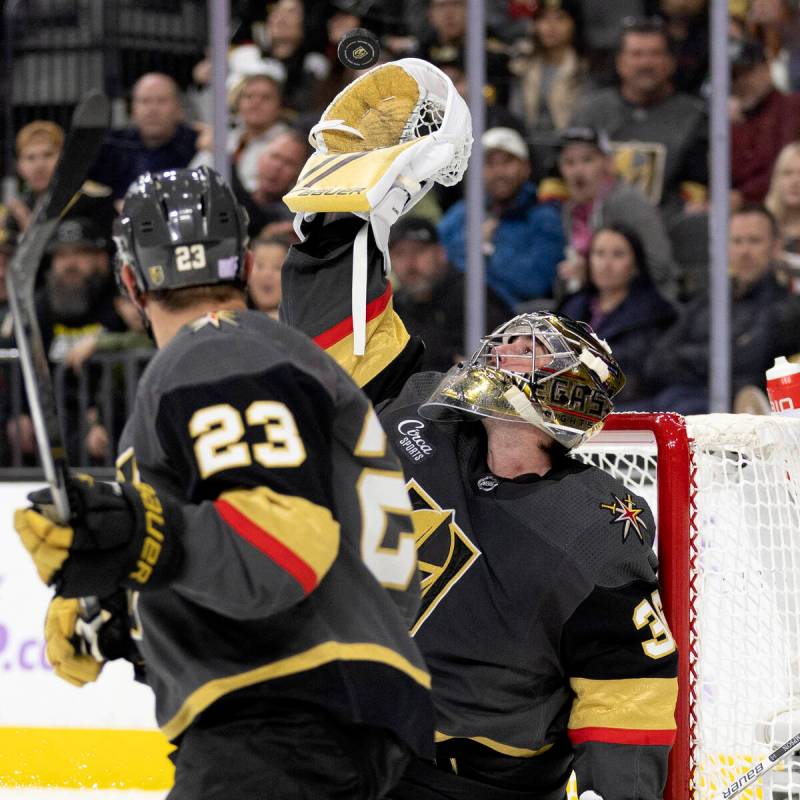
x=285 y=558
x=621 y=736
x=344 y=328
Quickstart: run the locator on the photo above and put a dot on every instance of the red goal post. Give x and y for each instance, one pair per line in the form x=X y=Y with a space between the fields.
x=725 y=489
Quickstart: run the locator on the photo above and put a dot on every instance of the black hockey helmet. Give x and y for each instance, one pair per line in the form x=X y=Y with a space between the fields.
x=182 y=227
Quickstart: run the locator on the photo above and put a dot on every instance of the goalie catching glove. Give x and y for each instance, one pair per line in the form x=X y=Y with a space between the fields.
x=118 y=536
x=379 y=147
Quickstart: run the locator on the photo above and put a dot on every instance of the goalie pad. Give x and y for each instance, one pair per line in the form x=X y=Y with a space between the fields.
x=379 y=147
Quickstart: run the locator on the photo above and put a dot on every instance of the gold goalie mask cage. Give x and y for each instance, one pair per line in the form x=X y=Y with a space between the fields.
x=379 y=147
x=561 y=382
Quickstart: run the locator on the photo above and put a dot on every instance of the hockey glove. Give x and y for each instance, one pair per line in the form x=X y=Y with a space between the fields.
x=76 y=648
x=66 y=650
x=118 y=535
x=381 y=144
x=399 y=126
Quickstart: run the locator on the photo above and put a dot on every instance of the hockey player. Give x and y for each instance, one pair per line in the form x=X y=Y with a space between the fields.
x=261 y=527
x=541 y=621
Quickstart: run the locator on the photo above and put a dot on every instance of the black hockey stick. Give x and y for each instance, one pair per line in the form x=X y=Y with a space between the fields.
x=89 y=125
x=759 y=768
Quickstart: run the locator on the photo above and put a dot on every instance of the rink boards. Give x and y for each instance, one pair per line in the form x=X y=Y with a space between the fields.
x=53 y=734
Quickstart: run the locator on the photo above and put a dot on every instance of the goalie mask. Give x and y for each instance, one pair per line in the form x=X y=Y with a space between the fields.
x=541 y=368
x=182 y=227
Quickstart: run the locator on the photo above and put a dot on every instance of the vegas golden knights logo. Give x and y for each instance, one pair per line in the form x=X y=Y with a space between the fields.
x=444 y=551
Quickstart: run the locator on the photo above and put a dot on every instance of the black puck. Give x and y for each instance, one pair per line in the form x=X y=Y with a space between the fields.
x=359 y=49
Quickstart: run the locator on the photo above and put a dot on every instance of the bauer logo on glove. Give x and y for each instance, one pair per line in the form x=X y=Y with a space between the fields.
x=118 y=536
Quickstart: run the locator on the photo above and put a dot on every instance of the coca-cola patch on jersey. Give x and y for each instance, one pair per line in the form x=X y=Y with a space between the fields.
x=412 y=442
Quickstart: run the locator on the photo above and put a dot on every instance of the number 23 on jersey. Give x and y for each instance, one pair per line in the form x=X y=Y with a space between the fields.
x=218 y=433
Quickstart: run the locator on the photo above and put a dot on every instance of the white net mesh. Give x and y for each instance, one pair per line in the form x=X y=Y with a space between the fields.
x=440 y=109
x=747 y=579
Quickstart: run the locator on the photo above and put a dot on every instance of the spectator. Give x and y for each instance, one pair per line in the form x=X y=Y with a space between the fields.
x=38 y=148
x=550 y=80
x=763 y=120
x=665 y=132
x=445 y=39
x=763 y=322
x=256 y=102
x=783 y=200
x=603 y=26
x=291 y=34
x=622 y=305
x=279 y=167
x=522 y=238
x=264 y=280
x=157 y=139
x=74 y=303
x=597 y=199
x=777 y=24
x=76 y=299
x=429 y=295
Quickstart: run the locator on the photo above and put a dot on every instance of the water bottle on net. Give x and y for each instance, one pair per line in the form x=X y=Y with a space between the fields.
x=783 y=387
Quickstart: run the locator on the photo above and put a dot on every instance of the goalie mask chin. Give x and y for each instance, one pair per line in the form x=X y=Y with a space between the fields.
x=542 y=369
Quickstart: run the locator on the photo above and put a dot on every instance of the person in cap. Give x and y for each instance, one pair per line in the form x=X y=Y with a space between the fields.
x=763 y=120
x=75 y=303
x=256 y=559
x=429 y=293
x=541 y=619
x=76 y=299
x=523 y=239
x=598 y=197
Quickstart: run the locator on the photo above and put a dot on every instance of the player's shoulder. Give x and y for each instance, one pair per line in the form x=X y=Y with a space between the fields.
x=224 y=344
x=613 y=538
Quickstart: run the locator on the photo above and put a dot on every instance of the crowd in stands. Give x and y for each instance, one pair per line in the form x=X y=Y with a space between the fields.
x=595 y=171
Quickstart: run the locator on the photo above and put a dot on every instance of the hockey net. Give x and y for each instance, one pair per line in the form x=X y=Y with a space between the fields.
x=725 y=490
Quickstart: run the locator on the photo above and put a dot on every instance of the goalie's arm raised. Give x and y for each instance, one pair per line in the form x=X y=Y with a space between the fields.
x=316 y=298
x=379 y=147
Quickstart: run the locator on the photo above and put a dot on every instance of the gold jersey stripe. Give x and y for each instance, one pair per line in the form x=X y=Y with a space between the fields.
x=287 y=528
x=323 y=653
x=387 y=336
x=627 y=703
x=76 y=758
x=499 y=747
